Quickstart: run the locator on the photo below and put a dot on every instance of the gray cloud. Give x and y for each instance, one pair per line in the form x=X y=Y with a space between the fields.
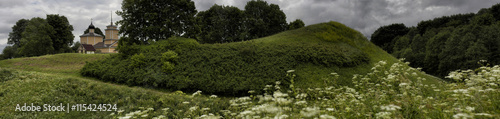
x=363 y=15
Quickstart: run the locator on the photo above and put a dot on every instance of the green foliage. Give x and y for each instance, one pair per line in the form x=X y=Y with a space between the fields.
x=40 y=37
x=388 y=91
x=264 y=19
x=63 y=37
x=6 y=75
x=168 y=58
x=483 y=19
x=36 y=38
x=226 y=69
x=449 y=43
x=9 y=52
x=75 y=46
x=222 y=24
x=296 y=24
x=151 y=20
x=137 y=60
x=383 y=36
x=16 y=35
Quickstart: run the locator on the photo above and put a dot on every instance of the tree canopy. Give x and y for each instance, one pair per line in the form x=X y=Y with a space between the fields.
x=296 y=24
x=221 y=24
x=264 y=19
x=446 y=43
x=17 y=30
x=154 y=20
x=63 y=37
x=36 y=38
x=383 y=37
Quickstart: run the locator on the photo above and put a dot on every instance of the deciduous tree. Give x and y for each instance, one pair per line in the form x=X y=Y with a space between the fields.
x=36 y=38
x=153 y=20
x=15 y=36
x=296 y=24
x=221 y=24
x=264 y=19
x=63 y=37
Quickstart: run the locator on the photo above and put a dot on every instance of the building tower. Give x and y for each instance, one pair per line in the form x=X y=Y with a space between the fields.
x=111 y=36
x=91 y=37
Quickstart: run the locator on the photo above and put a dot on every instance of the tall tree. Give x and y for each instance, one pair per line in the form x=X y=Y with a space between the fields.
x=15 y=36
x=153 y=20
x=264 y=19
x=9 y=52
x=383 y=36
x=433 y=47
x=63 y=37
x=418 y=51
x=296 y=24
x=221 y=24
x=495 y=11
x=75 y=46
x=36 y=38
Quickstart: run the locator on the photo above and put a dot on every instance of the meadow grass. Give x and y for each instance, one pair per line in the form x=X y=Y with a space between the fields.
x=382 y=88
x=66 y=63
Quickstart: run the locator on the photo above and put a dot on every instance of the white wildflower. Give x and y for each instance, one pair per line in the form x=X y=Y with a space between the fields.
x=390 y=107
x=461 y=116
x=309 y=111
x=196 y=93
x=302 y=102
x=470 y=109
x=484 y=114
x=193 y=108
x=290 y=71
x=326 y=116
x=282 y=116
x=383 y=115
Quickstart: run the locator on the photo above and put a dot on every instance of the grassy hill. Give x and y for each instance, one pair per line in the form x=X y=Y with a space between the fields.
x=55 y=79
x=379 y=87
x=231 y=69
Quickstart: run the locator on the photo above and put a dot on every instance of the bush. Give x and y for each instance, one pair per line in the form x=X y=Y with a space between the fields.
x=222 y=69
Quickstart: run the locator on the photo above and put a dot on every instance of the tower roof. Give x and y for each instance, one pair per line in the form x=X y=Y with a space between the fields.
x=91 y=26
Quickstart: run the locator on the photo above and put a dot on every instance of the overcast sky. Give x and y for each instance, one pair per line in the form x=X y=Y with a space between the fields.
x=363 y=15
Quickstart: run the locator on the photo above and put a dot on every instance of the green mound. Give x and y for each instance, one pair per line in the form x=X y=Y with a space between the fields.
x=235 y=68
x=65 y=63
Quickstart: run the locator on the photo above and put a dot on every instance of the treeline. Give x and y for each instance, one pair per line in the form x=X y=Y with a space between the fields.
x=38 y=36
x=446 y=43
x=146 y=21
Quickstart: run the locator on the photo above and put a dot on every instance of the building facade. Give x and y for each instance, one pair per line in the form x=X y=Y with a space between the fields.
x=92 y=42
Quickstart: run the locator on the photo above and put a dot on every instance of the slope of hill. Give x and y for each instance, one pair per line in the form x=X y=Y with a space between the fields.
x=312 y=52
x=54 y=79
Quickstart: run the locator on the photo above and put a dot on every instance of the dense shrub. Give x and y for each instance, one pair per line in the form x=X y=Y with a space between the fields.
x=223 y=69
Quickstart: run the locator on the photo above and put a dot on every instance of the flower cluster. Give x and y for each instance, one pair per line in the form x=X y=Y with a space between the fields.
x=390 y=90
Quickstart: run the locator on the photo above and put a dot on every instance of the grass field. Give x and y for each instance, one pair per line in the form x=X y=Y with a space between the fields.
x=54 y=79
x=382 y=88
